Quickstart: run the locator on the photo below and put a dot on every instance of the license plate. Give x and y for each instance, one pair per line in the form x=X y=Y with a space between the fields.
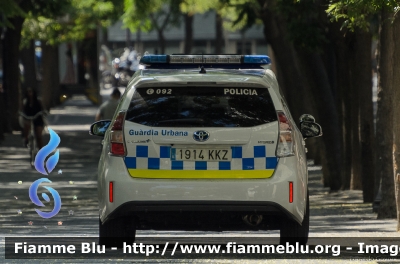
x=201 y=154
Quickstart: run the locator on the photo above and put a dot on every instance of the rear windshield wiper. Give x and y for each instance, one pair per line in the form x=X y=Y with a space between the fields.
x=183 y=121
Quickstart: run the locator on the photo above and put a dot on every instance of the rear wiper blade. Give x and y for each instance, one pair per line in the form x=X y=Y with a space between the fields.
x=183 y=120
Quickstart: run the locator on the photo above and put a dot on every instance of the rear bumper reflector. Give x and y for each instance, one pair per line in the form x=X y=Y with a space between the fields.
x=111 y=192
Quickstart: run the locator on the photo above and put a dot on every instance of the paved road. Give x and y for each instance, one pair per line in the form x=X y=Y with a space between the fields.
x=332 y=214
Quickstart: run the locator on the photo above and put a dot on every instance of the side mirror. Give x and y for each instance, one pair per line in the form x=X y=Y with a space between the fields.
x=99 y=128
x=310 y=129
x=307 y=118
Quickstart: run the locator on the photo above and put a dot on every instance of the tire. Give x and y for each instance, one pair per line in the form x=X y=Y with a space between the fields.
x=34 y=153
x=32 y=149
x=292 y=232
x=117 y=231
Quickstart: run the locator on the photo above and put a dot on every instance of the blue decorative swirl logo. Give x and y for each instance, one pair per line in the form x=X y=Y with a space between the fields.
x=50 y=165
x=45 y=151
x=35 y=199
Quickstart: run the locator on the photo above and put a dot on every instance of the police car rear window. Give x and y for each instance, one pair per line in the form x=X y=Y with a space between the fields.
x=201 y=107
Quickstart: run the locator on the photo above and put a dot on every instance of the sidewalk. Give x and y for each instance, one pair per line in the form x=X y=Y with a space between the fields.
x=79 y=154
x=343 y=213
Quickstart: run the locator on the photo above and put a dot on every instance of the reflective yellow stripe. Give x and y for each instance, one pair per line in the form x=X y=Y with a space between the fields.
x=201 y=174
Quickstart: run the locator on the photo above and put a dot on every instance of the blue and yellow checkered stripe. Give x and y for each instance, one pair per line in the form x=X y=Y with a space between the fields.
x=142 y=165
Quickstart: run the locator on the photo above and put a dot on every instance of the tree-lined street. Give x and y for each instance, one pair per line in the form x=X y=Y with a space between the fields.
x=324 y=52
x=337 y=214
x=326 y=56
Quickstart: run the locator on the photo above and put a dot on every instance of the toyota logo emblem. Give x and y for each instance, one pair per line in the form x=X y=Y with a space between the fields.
x=201 y=135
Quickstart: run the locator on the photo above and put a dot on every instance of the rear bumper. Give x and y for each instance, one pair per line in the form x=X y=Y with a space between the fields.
x=136 y=196
x=200 y=215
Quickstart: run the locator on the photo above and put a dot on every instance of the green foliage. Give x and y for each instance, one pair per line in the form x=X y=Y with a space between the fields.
x=48 y=8
x=156 y=14
x=137 y=14
x=357 y=13
x=9 y=9
x=303 y=19
x=239 y=14
x=72 y=20
x=246 y=13
x=42 y=28
x=194 y=6
x=92 y=13
x=305 y=22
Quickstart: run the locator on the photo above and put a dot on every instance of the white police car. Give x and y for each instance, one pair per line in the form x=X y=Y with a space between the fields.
x=203 y=142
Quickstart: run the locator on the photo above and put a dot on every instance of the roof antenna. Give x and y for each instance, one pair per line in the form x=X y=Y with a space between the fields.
x=202 y=70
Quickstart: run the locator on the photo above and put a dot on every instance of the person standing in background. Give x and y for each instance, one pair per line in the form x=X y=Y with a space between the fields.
x=31 y=105
x=106 y=110
x=69 y=77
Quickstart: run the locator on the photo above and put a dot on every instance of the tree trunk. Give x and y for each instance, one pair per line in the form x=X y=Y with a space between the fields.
x=396 y=105
x=160 y=30
x=188 y=33
x=139 y=41
x=104 y=37
x=355 y=105
x=81 y=67
x=51 y=79
x=363 y=79
x=297 y=84
x=3 y=118
x=298 y=107
x=320 y=87
x=28 y=61
x=355 y=75
x=128 y=38
x=243 y=41
x=161 y=41
x=345 y=95
x=219 y=41
x=88 y=67
x=340 y=42
x=93 y=67
x=384 y=122
x=12 y=72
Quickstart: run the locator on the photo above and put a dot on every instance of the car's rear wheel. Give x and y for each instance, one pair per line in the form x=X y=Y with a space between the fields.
x=293 y=232
x=115 y=232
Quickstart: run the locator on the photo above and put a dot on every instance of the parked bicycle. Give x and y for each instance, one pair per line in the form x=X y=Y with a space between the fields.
x=32 y=143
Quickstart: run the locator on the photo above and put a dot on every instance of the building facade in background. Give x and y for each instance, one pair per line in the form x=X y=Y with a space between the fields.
x=251 y=41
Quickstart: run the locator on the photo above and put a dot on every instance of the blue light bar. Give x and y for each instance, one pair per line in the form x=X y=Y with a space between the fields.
x=223 y=61
x=256 y=59
x=150 y=59
x=205 y=59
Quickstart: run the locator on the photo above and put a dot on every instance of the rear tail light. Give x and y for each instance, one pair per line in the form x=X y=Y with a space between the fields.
x=290 y=192
x=285 y=146
x=117 y=135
